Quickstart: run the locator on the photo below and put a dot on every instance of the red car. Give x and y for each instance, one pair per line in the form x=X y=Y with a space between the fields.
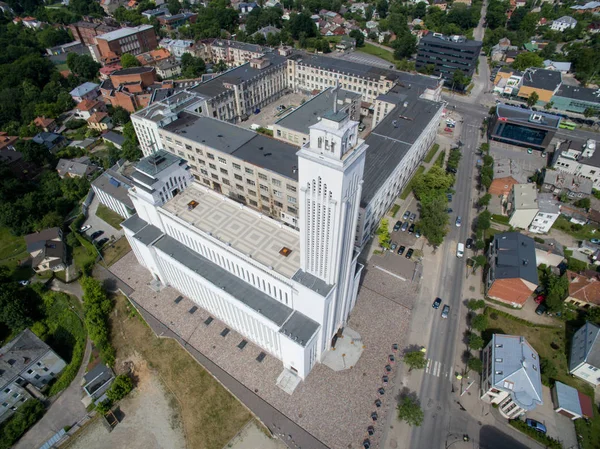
x=539 y=299
x=448 y=130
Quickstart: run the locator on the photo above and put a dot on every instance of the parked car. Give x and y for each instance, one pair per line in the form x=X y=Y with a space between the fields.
x=393 y=246
x=406 y=215
x=96 y=234
x=411 y=228
x=449 y=210
x=451 y=170
x=361 y=127
x=85 y=228
x=437 y=302
x=401 y=250
x=458 y=221
x=448 y=130
x=536 y=425
x=469 y=243
x=418 y=233
x=529 y=151
x=404 y=226
x=397 y=226
x=445 y=311
x=539 y=299
x=595 y=241
x=413 y=217
x=102 y=242
x=541 y=309
x=544 y=153
x=409 y=253
x=449 y=196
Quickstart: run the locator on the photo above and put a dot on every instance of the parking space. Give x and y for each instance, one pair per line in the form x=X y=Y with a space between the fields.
x=269 y=114
x=557 y=425
x=394 y=264
x=97 y=224
x=528 y=163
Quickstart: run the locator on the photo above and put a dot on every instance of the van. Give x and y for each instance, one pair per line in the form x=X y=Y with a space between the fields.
x=460 y=250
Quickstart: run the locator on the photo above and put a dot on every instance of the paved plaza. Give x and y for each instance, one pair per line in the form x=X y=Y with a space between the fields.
x=334 y=406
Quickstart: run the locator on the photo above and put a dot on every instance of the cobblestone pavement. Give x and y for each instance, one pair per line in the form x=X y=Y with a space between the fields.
x=335 y=407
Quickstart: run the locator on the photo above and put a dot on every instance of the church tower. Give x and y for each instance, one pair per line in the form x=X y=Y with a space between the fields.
x=331 y=169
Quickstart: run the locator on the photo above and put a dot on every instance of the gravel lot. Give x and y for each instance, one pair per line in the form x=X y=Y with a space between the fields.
x=269 y=114
x=335 y=407
x=151 y=420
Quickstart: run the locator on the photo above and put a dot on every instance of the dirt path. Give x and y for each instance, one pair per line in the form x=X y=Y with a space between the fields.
x=151 y=419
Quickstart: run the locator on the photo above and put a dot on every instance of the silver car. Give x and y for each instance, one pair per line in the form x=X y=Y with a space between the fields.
x=404 y=226
x=445 y=311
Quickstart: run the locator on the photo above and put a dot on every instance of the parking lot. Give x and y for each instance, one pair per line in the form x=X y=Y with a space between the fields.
x=269 y=114
x=97 y=224
x=529 y=163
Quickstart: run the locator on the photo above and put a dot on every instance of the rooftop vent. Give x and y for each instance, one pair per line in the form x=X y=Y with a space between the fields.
x=192 y=205
x=285 y=251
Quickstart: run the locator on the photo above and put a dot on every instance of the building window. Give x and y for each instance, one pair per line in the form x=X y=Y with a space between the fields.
x=291 y=199
x=212 y=166
x=210 y=156
x=264 y=198
x=253 y=203
x=214 y=176
x=178 y=143
x=181 y=154
x=224 y=171
x=204 y=172
x=250 y=182
x=276 y=182
x=201 y=162
x=290 y=187
x=199 y=151
x=226 y=181
x=36 y=377
x=262 y=176
x=292 y=210
x=188 y=147
x=278 y=204
x=206 y=181
x=239 y=187
x=249 y=171
x=222 y=160
x=264 y=188
x=238 y=177
x=236 y=166
x=277 y=193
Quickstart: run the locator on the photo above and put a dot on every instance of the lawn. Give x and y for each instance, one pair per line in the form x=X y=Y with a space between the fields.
x=12 y=251
x=83 y=257
x=589 y=431
x=504 y=219
x=440 y=159
x=408 y=187
x=211 y=416
x=581 y=232
x=434 y=148
x=379 y=52
x=113 y=252
x=110 y=217
x=549 y=342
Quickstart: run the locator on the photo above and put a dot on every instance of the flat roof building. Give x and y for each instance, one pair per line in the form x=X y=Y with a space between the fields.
x=523 y=127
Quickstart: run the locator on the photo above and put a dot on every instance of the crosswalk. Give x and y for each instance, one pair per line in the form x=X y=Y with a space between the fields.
x=437 y=369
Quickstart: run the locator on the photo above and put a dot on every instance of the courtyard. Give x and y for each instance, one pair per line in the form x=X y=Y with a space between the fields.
x=269 y=114
x=333 y=406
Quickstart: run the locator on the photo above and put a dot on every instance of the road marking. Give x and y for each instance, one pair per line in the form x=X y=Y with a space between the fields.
x=428 y=365
x=437 y=369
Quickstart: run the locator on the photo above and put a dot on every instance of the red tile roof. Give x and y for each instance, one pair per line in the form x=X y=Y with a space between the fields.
x=584 y=287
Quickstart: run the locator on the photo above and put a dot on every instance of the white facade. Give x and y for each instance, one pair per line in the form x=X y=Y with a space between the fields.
x=286 y=291
x=580 y=162
x=564 y=23
x=112 y=203
x=543 y=221
x=522 y=205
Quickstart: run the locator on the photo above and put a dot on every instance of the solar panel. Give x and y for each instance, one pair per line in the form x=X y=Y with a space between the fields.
x=114 y=182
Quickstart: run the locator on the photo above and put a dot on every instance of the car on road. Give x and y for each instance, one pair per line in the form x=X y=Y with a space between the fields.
x=96 y=234
x=448 y=130
x=393 y=246
x=409 y=253
x=413 y=217
x=541 y=309
x=418 y=233
x=406 y=215
x=449 y=210
x=536 y=425
x=595 y=241
x=449 y=196
x=404 y=226
x=445 y=311
x=102 y=242
x=529 y=151
x=458 y=221
x=401 y=250
x=411 y=228
x=85 y=228
x=397 y=226
x=539 y=299
x=436 y=303
x=469 y=243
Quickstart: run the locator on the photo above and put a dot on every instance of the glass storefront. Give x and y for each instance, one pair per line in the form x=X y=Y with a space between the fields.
x=520 y=134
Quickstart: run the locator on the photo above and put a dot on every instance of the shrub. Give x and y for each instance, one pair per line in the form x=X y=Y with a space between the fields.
x=549 y=442
x=27 y=415
x=97 y=306
x=120 y=387
x=104 y=406
x=475 y=364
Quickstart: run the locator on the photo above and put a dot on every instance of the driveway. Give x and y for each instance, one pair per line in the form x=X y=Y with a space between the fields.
x=558 y=426
x=97 y=224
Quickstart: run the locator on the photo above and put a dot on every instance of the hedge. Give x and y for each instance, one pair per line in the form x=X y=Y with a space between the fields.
x=15 y=426
x=547 y=441
x=70 y=372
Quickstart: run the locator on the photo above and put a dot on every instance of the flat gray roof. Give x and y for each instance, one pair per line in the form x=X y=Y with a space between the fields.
x=123 y=32
x=157 y=162
x=306 y=115
x=524 y=116
x=392 y=138
x=299 y=328
x=314 y=283
x=134 y=223
x=115 y=185
x=258 y=301
x=148 y=234
x=270 y=154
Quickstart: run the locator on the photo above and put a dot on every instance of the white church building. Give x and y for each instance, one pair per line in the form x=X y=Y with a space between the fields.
x=288 y=291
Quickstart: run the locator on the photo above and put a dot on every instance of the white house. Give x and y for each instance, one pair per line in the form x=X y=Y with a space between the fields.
x=511 y=375
x=522 y=205
x=548 y=212
x=580 y=159
x=584 y=361
x=564 y=23
x=85 y=91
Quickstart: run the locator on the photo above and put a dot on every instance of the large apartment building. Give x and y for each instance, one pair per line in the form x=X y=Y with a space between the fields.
x=233 y=53
x=86 y=32
x=288 y=291
x=135 y=40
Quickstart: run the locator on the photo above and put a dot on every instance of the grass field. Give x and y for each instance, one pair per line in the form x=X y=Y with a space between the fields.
x=379 y=52
x=112 y=253
x=110 y=217
x=12 y=251
x=434 y=148
x=582 y=232
x=589 y=431
x=211 y=416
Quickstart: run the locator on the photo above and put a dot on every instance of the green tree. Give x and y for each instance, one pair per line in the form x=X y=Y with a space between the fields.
x=480 y=261
x=97 y=306
x=220 y=66
x=433 y=219
x=405 y=45
x=128 y=60
x=34 y=152
x=556 y=292
x=475 y=304
x=382 y=8
x=459 y=80
x=415 y=360
x=409 y=410
x=14 y=312
x=120 y=116
x=174 y=6
x=120 y=387
x=359 y=37
x=526 y=60
x=475 y=364
x=191 y=66
x=584 y=203
x=590 y=112
x=475 y=341
x=532 y=99
x=83 y=66
x=384 y=233
x=301 y=23
x=484 y=201
x=479 y=322
x=484 y=221
x=549 y=105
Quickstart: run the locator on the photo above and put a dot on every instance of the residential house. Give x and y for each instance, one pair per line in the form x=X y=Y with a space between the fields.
x=177 y=47
x=129 y=88
x=594 y=216
x=168 y=68
x=574 y=186
x=511 y=375
x=85 y=144
x=52 y=141
x=507 y=173
x=563 y=23
x=522 y=205
x=592 y=7
x=97 y=381
x=578 y=158
x=108 y=70
x=550 y=253
x=81 y=167
x=548 y=212
x=541 y=81
x=512 y=276
x=6 y=9
x=111 y=189
x=86 y=108
x=7 y=142
x=153 y=57
x=576 y=99
x=584 y=360
x=442 y=4
x=562 y=67
x=346 y=43
x=46 y=124
x=246 y=8
x=47 y=250
x=27 y=365
x=100 y=121
x=85 y=91
x=265 y=31
x=508 y=81
x=28 y=22
x=584 y=289
x=571 y=403
x=172 y=22
x=464 y=2
x=149 y=13
x=115 y=138
x=511 y=55
x=594 y=28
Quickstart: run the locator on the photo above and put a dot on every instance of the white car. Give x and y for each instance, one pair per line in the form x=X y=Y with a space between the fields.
x=458 y=222
x=85 y=228
x=24 y=283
